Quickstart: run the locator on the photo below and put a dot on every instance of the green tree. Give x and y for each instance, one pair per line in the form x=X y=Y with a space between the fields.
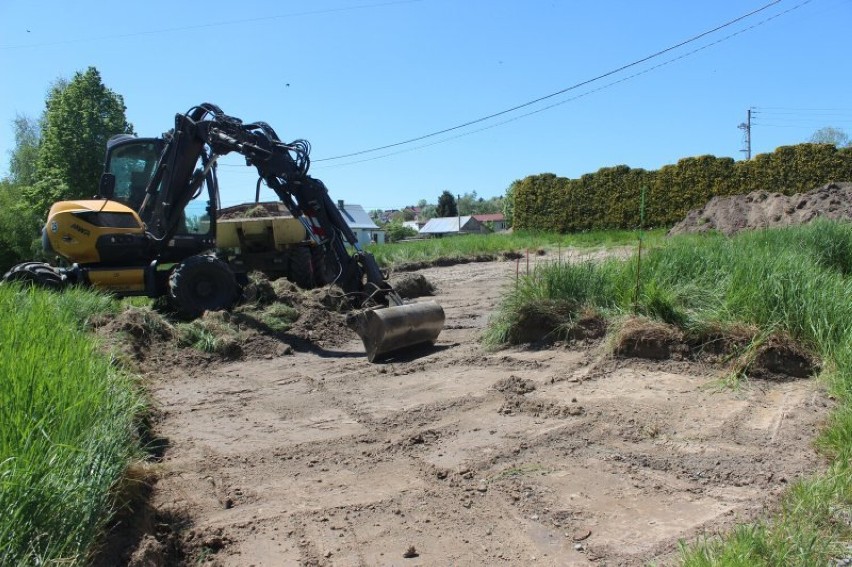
x=19 y=223
x=23 y=159
x=428 y=212
x=396 y=231
x=447 y=206
x=829 y=135
x=472 y=204
x=19 y=227
x=80 y=116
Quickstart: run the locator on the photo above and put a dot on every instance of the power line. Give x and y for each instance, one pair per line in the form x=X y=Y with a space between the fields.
x=565 y=101
x=567 y=89
x=792 y=109
x=211 y=25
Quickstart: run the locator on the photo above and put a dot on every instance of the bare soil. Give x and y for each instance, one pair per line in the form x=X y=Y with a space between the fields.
x=564 y=455
x=762 y=209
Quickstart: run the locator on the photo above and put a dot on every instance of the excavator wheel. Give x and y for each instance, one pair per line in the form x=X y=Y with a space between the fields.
x=202 y=283
x=37 y=274
x=326 y=265
x=301 y=270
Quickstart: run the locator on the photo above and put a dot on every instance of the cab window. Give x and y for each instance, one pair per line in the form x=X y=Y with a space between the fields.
x=133 y=165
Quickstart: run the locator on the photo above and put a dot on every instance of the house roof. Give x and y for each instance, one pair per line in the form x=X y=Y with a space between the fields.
x=356 y=217
x=443 y=225
x=490 y=217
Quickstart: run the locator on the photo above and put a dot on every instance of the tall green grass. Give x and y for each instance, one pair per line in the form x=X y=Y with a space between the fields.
x=66 y=427
x=472 y=245
x=796 y=280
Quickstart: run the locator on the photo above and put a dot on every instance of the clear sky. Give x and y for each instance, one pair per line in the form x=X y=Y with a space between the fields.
x=351 y=75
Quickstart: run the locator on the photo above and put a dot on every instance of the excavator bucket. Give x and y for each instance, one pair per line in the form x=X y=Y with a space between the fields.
x=386 y=330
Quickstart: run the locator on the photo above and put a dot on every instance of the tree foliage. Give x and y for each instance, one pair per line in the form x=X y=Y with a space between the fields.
x=447 y=206
x=80 y=116
x=19 y=227
x=830 y=135
x=472 y=204
x=428 y=212
x=396 y=231
x=23 y=159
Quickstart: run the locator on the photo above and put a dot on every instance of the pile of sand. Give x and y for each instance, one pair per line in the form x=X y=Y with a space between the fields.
x=762 y=209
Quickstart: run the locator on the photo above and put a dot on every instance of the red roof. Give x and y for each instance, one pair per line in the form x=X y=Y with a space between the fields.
x=490 y=217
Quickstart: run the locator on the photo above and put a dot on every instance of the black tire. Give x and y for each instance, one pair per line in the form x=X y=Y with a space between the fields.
x=202 y=283
x=37 y=274
x=326 y=265
x=300 y=268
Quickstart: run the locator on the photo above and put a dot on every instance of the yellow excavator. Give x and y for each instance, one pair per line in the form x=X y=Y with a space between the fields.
x=151 y=230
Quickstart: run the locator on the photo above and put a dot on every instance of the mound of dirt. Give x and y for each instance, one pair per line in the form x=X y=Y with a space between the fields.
x=254 y=210
x=411 y=286
x=762 y=209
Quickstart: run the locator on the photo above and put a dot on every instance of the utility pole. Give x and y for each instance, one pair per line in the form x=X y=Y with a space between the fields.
x=458 y=211
x=746 y=127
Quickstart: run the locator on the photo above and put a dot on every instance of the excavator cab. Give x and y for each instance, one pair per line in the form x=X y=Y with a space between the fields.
x=131 y=162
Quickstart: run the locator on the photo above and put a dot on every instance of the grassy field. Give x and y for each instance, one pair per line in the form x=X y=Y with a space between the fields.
x=67 y=420
x=473 y=245
x=797 y=281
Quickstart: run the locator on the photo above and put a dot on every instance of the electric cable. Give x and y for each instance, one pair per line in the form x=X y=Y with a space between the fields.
x=567 y=89
x=564 y=101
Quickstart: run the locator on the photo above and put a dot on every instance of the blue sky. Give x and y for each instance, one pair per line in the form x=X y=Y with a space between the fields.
x=350 y=75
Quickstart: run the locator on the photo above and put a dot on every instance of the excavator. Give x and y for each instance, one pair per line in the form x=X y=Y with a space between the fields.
x=142 y=233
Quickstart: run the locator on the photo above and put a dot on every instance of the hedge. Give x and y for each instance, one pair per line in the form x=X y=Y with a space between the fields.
x=610 y=197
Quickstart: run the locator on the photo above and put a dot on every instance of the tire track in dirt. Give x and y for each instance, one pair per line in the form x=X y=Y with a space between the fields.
x=330 y=460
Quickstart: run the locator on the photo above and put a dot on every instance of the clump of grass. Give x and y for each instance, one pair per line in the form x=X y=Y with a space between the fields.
x=279 y=317
x=554 y=297
x=213 y=333
x=85 y=305
x=67 y=427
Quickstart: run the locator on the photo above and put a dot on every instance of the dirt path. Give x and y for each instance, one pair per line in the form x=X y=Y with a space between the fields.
x=465 y=457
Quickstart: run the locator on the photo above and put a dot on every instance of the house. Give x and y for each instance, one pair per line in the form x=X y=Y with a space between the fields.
x=452 y=225
x=495 y=221
x=361 y=224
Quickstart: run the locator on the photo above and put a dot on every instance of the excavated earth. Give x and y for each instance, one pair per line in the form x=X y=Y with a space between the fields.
x=300 y=452
x=762 y=209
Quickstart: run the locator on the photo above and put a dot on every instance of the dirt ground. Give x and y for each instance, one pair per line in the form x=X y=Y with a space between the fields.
x=762 y=209
x=564 y=455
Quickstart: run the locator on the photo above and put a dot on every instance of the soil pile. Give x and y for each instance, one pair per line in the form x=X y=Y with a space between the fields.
x=762 y=209
x=254 y=210
x=411 y=286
